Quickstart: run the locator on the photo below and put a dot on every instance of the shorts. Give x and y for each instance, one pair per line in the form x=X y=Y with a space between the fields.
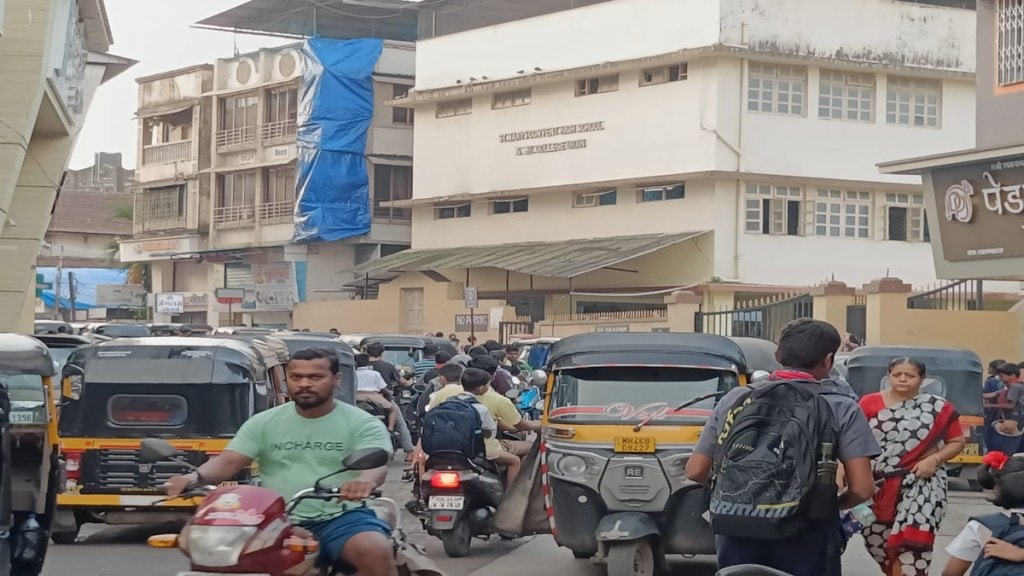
x=517 y=447
x=816 y=552
x=334 y=533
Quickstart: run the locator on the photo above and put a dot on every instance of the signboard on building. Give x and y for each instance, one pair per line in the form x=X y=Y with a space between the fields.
x=981 y=209
x=613 y=328
x=268 y=287
x=230 y=295
x=157 y=248
x=120 y=295
x=480 y=322
x=170 y=303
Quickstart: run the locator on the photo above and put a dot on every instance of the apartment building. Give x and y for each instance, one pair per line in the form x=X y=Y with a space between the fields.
x=53 y=57
x=975 y=197
x=733 y=141
x=216 y=205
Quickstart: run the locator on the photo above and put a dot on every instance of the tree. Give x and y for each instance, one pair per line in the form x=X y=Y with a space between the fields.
x=135 y=272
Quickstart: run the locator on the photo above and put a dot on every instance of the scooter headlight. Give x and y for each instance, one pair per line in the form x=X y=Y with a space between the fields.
x=218 y=545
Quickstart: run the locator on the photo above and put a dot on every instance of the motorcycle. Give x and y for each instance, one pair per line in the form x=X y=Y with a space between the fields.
x=408 y=400
x=246 y=528
x=530 y=400
x=381 y=414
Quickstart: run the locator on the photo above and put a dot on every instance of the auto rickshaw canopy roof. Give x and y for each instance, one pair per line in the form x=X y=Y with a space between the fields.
x=25 y=355
x=648 y=348
x=962 y=371
x=758 y=353
x=301 y=341
x=169 y=360
x=273 y=350
x=394 y=341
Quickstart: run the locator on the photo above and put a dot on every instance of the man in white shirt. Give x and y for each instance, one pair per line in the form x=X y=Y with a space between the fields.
x=370 y=385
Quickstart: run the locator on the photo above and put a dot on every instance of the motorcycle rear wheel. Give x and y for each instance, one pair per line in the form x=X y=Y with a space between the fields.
x=459 y=539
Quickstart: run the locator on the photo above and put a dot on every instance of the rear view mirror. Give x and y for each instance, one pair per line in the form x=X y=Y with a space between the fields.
x=366 y=459
x=155 y=450
x=72 y=382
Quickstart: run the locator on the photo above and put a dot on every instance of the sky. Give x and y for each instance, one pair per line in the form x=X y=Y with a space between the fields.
x=159 y=35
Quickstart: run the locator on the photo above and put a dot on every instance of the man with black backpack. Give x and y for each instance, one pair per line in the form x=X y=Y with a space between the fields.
x=770 y=452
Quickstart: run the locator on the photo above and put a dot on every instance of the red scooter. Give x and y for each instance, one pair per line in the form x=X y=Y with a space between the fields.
x=246 y=530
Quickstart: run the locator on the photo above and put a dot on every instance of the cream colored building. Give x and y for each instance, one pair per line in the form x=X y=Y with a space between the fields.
x=53 y=56
x=731 y=142
x=217 y=187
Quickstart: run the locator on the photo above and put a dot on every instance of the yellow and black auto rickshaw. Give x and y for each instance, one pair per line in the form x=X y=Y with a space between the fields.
x=30 y=470
x=193 y=392
x=956 y=375
x=622 y=415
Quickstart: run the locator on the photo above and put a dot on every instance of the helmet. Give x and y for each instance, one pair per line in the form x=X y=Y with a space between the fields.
x=538 y=378
x=461 y=360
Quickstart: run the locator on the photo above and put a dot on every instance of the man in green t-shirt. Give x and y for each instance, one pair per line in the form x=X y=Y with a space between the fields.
x=299 y=442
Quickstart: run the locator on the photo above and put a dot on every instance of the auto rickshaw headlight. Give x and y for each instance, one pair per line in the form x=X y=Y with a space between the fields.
x=571 y=465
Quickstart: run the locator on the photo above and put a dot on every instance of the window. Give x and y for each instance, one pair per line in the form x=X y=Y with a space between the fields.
x=776 y=89
x=455 y=108
x=904 y=218
x=659 y=193
x=510 y=206
x=773 y=210
x=846 y=96
x=391 y=183
x=589 y=199
x=512 y=99
x=164 y=410
x=1010 y=42
x=238 y=120
x=399 y=114
x=590 y=86
x=283 y=105
x=842 y=214
x=236 y=198
x=912 y=102
x=663 y=75
x=278 y=194
x=163 y=205
x=453 y=211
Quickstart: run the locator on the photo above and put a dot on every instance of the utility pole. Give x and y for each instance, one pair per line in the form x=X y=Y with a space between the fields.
x=57 y=285
x=72 y=294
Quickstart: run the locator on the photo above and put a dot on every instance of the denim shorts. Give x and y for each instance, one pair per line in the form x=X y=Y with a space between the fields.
x=334 y=533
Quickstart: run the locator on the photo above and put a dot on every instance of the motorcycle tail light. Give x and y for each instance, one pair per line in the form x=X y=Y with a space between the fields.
x=296 y=544
x=444 y=480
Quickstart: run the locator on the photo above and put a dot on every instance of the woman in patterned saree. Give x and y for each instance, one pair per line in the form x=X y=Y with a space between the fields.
x=919 y=433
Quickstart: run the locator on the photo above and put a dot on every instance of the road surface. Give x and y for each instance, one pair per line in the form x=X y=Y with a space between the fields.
x=121 y=551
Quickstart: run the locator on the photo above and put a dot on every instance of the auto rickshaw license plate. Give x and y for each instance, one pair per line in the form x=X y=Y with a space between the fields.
x=971 y=449
x=634 y=444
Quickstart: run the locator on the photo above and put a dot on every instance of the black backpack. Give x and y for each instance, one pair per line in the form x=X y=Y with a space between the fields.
x=766 y=483
x=454 y=426
x=1007 y=529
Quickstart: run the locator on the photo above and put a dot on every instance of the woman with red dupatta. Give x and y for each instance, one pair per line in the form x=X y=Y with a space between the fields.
x=918 y=433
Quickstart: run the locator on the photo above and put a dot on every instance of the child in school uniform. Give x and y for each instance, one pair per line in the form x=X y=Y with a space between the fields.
x=994 y=544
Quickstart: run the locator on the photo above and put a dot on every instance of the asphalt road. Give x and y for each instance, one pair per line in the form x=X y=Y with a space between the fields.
x=122 y=551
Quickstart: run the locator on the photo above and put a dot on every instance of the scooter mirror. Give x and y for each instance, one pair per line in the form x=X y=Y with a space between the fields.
x=366 y=459
x=155 y=450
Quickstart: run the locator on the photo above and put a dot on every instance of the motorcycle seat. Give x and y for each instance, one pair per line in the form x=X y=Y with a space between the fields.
x=750 y=570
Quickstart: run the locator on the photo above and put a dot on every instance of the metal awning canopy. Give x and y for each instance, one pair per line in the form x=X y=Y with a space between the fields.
x=551 y=259
x=387 y=19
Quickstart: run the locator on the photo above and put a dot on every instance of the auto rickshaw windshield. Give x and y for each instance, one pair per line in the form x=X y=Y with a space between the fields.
x=23 y=387
x=403 y=356
x=594 y=395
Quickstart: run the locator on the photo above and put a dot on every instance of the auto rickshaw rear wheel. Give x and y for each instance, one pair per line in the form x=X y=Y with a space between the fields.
x=631 y=559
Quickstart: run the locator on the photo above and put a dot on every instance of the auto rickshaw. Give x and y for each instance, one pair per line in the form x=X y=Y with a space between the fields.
x=275 y=356
x=956 y=375
x=346 y=392
x=402 y=351
x=622 y=414
x=30 y=469
x=194 y=392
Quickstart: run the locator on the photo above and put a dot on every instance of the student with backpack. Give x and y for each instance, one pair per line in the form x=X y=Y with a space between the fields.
x=993 y=544
x=770 y=452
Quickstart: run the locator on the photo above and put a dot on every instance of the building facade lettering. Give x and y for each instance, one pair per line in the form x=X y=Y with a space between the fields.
x=551 y=132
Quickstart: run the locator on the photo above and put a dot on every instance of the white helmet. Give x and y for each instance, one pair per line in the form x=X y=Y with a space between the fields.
x=538 y=378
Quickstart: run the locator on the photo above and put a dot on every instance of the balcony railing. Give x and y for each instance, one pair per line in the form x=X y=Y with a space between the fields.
x=386 y=213
x=235 y=137
x=234 y=216
x=276 y=132
x=276 y=212
x=168 y=153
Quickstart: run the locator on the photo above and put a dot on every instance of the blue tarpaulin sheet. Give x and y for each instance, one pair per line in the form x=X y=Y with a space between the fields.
x=335 y=113
x=86 y=280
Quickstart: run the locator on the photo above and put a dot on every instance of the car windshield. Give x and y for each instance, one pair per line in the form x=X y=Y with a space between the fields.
x=402 y=356
x=124 y=330
x=632 y=394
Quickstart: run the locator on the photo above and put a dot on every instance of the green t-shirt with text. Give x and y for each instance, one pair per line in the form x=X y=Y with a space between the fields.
x=293 y=452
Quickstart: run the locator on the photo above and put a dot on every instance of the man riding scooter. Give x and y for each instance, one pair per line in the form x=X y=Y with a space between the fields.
x=297 y=443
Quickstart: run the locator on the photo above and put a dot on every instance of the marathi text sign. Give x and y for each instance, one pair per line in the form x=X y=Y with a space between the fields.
x=981 y=209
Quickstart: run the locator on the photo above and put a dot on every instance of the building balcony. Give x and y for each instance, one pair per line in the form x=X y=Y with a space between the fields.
x=278 y=132
x=235 y=138
x=156 y=223
x=234 y=216
x=392 y=214
x=168 y=153
x=276 y=212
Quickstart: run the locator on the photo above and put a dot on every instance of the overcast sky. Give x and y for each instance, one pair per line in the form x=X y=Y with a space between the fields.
x=157 y=34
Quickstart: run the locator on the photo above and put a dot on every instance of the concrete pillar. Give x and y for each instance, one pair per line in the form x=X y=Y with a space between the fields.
x=831 y=301
x=886 y=297
x=682 y=306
